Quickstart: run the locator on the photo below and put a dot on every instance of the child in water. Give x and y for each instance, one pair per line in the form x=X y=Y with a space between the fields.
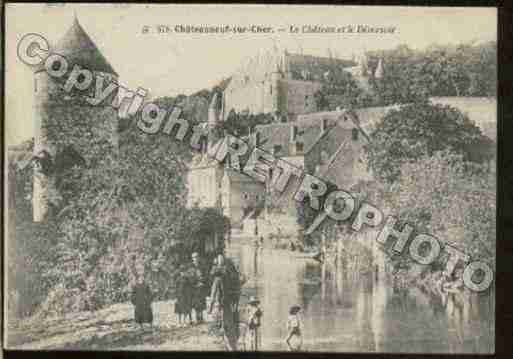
x=254 y=321
x=294 y=327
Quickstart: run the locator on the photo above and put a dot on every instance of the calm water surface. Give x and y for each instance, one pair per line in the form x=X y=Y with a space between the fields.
x=357 y=315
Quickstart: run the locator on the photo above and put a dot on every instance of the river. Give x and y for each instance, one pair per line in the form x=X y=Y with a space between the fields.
x=352 y=315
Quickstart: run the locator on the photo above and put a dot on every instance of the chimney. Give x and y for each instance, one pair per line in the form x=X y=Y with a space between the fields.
x=324 y=125
x=293 y=133
x=256 y=138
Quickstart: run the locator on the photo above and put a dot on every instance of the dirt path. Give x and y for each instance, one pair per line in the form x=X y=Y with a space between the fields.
x=111 y=328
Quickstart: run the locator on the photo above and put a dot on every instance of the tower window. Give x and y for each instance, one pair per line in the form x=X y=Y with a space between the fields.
x=56 y=65
x=35 y=85
x=299 y=147
x=354 y=134
x=245 y=195
x=277 y=149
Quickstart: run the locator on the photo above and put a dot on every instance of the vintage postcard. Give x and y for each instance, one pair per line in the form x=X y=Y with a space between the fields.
x=250 y=178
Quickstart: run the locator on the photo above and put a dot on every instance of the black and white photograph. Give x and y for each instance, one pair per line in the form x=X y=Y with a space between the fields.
x=258 y=178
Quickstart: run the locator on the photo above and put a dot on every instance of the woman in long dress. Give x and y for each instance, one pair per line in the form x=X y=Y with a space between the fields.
x=142 y=298
x=183 y=304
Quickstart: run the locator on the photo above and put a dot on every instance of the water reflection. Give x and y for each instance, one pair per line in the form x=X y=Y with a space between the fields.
x=363 y=315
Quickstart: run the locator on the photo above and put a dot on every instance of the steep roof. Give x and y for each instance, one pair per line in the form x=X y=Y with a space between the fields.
x=299 y=61
x=279 y=134
x=79 y=49
x=309 y=130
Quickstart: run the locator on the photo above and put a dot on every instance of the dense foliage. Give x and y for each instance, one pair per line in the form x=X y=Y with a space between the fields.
x=241 y=124
x=420 y=129
x=411 y=75
x=461 y=70
x=121 y=212
x=339 y=89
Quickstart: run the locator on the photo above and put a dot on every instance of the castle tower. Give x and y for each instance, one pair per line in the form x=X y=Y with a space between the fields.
x=285 y=66
x=362 y=64
x=276 y=76
x=213 y=111
x=378 y=74
x=78 y=49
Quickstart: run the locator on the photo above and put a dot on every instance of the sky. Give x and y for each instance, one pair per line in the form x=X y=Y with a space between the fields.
x=172 y=63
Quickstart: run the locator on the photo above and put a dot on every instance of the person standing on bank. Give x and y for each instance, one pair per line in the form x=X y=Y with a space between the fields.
x=199 y=287
x=294 y=328
x=183 y=304
x=142 y=298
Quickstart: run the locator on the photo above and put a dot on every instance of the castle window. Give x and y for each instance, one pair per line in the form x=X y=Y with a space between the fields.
x=245 y=195
x=354 y=134
x=300 y=147
x=35 y=85
x=277 y=149
x=271 y=89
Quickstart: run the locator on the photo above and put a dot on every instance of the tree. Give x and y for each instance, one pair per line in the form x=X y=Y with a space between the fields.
x=339 y=89
x=241 y=124
x=440 y=70
x=123 y=210
x=421 y=129
x=439 y=195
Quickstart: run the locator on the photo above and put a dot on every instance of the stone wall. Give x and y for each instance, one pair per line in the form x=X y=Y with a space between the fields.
x=239 y=192
x=203 y=185
x=300 y=96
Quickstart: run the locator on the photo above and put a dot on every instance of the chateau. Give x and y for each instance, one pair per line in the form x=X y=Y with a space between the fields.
x=326 y=144
x=285 y=84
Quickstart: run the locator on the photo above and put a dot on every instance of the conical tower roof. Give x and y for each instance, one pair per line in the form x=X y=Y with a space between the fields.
x=79 y=49
x=379 y=70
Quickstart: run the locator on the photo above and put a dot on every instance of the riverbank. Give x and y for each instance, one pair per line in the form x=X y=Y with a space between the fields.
x=111 y=328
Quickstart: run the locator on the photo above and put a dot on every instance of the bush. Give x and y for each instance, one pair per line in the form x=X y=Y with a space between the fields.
x=421 y=129
x=442 y=196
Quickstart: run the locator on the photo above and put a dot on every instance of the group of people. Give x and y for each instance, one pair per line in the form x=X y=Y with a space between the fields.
x=217 y=292
x=192 y=290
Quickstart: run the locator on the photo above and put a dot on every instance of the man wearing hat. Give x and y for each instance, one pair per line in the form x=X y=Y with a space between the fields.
x=254 y=321
x=200 y=288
